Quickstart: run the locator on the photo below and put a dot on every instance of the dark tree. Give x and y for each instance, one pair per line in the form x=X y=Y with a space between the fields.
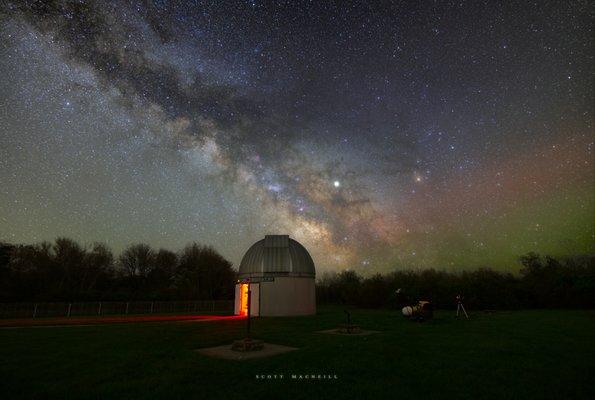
x=204 y=274
x=69 y=262
x=6 y=250
x=99 y=272
x=161 y=277
x=136 y=263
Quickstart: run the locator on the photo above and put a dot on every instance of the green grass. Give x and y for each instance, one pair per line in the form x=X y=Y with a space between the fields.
x=524 y=354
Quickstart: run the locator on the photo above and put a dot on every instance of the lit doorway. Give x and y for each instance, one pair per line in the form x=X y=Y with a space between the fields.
x=244 y=299
x=241 y=300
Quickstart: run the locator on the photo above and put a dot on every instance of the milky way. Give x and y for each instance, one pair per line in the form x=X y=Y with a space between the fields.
x=380 y=135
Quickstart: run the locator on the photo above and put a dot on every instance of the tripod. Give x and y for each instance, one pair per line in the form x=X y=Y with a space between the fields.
x=460 y=307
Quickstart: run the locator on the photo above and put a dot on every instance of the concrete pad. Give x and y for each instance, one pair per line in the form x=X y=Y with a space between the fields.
x=339 y=331
x=227 y=353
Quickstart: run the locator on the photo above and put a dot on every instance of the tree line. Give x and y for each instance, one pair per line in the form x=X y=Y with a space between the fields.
x=544 y=282
x=66 y=271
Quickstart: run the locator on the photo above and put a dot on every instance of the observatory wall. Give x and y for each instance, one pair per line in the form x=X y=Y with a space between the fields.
x=288 y=296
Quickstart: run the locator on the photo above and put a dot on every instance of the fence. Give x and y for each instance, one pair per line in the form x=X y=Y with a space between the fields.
x=36 y=310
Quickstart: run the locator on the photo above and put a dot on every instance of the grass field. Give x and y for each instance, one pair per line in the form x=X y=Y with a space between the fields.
x=524 y=354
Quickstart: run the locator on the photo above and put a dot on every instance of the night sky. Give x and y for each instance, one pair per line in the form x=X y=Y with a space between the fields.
x=381 y=135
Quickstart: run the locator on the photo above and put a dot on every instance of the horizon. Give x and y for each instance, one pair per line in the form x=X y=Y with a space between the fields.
x=365 y=273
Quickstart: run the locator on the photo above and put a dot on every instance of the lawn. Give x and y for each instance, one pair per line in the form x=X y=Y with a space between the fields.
x=523 y=354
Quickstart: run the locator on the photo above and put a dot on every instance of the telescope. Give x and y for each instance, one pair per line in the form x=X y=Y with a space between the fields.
x=421 y=311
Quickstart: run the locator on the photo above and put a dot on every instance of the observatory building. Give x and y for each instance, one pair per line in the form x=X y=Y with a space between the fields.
x=280 y=274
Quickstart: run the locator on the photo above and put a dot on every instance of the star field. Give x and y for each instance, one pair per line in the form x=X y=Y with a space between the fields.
x=379 y=134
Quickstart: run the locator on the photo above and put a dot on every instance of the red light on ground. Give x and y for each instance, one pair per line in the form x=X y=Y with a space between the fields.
x=117 y=319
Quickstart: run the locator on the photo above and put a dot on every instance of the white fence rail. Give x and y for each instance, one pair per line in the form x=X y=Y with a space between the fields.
x=39 y=310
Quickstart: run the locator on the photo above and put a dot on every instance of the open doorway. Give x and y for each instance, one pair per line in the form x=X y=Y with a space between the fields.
x=241 y=303
x=244 y=299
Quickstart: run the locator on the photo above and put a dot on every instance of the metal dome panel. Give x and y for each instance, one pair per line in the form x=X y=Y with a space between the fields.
x=277 y=255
